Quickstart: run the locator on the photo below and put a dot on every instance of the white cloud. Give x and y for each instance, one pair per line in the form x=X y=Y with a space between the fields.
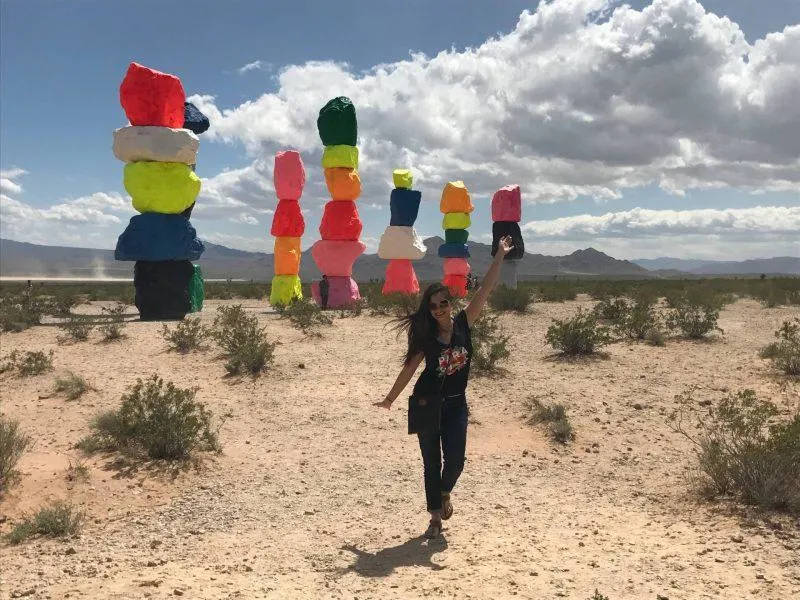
x=256 y=65
x=565 y=105
x=730 y=234
x=244 y=218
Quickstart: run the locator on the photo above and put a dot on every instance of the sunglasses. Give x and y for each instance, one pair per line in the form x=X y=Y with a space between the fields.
x=440 y=305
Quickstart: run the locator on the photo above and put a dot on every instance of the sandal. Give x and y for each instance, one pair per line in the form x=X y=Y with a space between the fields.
x=447 y=507
x=434 y=530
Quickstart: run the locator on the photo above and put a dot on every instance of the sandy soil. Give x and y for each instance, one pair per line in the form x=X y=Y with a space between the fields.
x=319 y=495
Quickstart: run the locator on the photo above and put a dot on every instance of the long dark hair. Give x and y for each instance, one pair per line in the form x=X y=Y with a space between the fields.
x=420 y=326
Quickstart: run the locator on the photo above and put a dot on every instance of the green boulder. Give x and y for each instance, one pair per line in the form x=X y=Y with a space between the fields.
x=197 y=292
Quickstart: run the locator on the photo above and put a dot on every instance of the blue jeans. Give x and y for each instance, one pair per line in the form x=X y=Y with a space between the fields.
x=450 y=441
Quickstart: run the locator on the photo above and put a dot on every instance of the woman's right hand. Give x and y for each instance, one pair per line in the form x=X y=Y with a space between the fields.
x=385 y=403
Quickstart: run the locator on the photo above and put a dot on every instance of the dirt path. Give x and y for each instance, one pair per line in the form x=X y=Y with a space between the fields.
x=319 y=495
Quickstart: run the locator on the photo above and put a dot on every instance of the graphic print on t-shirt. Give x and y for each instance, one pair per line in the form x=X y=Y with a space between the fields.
x=452 y=360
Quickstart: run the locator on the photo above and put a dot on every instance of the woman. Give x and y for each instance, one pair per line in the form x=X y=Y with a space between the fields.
x=444 y=342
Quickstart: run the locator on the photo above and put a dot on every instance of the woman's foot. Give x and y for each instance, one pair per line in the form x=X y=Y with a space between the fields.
x=447 y=506
x=434 y=529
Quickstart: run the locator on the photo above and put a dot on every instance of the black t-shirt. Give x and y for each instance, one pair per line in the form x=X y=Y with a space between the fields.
x=452 y=359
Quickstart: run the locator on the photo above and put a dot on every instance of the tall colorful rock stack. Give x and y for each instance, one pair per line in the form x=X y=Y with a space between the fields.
x=506 y=214
x=400 y=243
x=288 y=225
x=341 y=226
x=456 y=206
x=160 y=148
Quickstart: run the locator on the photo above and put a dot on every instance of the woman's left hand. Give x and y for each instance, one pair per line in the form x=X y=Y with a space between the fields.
x=505 y=246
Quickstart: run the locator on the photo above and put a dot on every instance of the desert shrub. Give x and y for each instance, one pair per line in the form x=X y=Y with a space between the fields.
x=554 y=416
x=489 y=345
x=694 y=318
x=598 y=596
x=655 y=337
x=28 y=364
x=78 y=471
x=504 y=298
x=156 y=419
x=785 y=353
x=189 y=334
x=77 y=328
x=556 y=292
x=22 y=310
x=581 y=334
x=744 y=452
x=58 y=519
x=612 y=309
x=397 y=305
x=243 y=342
x=113 y=324
x=73 y=386
x=13 y=444
x=305 y=315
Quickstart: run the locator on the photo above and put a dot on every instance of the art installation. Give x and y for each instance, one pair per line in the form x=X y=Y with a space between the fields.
x=456 y=206
x=400 y=243
x=506 y=214
x=159 y=149
x=288 y=225
x=340 y=228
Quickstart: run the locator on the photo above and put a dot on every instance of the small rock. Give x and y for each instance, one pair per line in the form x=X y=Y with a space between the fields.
x=301 y=366
x=638 y=406
x=737 y=538
x=177 y=592
x=70 y=550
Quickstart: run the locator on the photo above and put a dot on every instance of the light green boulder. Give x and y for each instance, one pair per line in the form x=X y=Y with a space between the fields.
x=285 y=289
x=456 y=221
x=340 y=156
x=402 y=179
x=161 y=187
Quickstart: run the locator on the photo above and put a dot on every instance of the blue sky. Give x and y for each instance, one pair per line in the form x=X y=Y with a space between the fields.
x=62 y=63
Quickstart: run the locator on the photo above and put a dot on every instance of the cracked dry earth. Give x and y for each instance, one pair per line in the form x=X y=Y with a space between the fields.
x=317 y=494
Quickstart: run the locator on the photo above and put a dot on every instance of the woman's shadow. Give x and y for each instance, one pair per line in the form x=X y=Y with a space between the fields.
x=416 y=552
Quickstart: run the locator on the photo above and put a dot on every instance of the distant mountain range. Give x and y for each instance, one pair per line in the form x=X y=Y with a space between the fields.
x=785 y=265
x=21 y=259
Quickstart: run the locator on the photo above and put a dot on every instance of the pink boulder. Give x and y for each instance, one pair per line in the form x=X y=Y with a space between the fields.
x=289 y=175
x=507 y=204
x=152 y=98
x=400 y=278
x=456 y=266
x=335 y=258
x=342 y=291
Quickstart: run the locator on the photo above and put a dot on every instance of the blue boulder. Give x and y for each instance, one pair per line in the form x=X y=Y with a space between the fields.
x=453 y=250
x=194 y=120
x=158 y=237
x=404 y=205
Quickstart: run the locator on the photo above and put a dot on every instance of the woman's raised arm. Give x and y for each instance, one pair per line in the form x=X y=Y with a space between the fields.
x=475 y=307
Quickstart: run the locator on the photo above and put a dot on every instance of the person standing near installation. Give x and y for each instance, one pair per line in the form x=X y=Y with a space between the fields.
x=437 y=411
x=323 y=291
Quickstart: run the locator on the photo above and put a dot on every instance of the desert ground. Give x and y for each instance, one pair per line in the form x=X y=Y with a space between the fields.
x=318 y=494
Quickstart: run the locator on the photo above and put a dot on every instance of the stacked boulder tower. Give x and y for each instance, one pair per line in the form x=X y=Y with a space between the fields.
x=506 y=214
x=456 y=205
x=160 y=149
x=400 y=243
x=340 y=228
x=288 y=225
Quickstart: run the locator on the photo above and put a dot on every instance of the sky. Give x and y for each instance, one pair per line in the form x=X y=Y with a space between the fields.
x=645 y=129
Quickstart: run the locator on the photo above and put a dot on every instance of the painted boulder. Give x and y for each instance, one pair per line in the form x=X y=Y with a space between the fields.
x=289 y=175
x=457 y=284
x=456 y=266
x=156 y=236
x=342 y=291
x=399 y=242
x=501 y=229
x=452 y=250
x=455 y=199
x=343 y=184
x=456 y=236
x=340 y=157
x=337 y=124
x=507 y=204
x=161 y=187
x=285 y=289
x=456 y=220
x=150 y=97
x=162 y=289
x=287 y=255
x=159 y=144
x=404 y=207
x=335 y=258
x=340 y=221
x=288 y=220
x=403 y=179
x=400 y=278
x=194 y=120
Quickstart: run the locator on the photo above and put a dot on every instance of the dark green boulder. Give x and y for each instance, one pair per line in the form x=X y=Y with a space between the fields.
x=337 y=123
